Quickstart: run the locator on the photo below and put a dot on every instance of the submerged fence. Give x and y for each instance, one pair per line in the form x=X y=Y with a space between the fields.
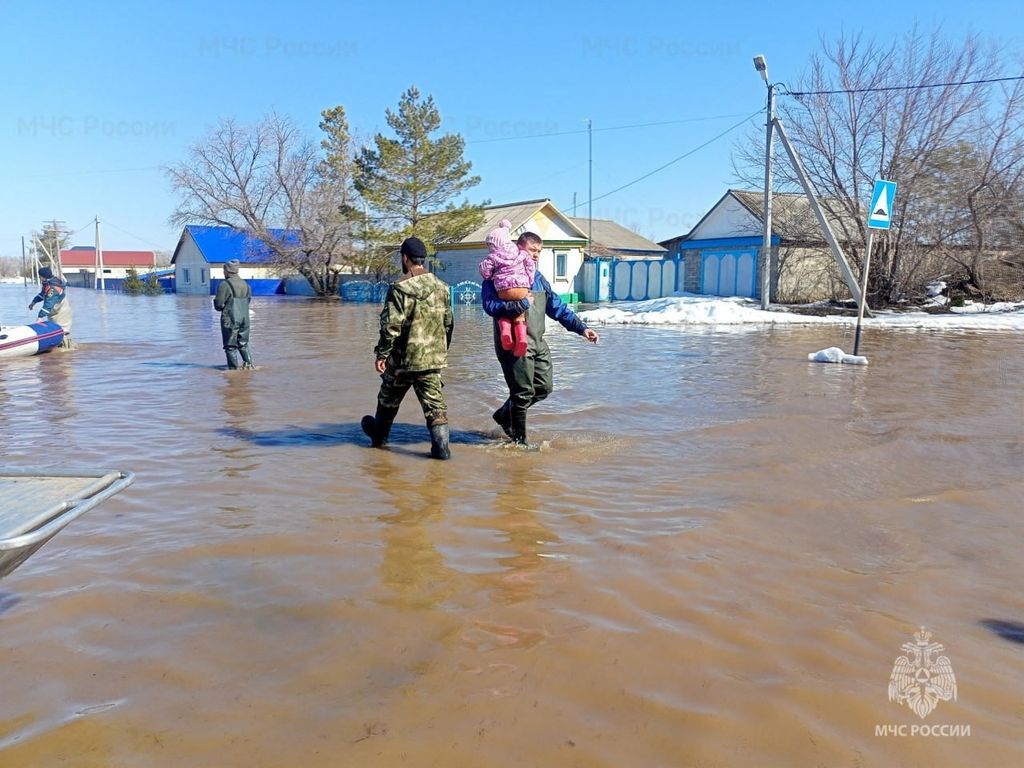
x=364 y=291
x=368 y=292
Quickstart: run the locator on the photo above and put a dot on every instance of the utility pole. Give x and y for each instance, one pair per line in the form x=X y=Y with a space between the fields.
x=590 y=186
x=775 y=125
x=55 y=256
x=53 y=253
x=36 y=248
x=100 y=283
x=573 y=203
x=40 y=248
x=766 y=244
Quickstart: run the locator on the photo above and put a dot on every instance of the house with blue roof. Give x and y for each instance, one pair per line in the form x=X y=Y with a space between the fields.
x=720 y=254
x=202 y=251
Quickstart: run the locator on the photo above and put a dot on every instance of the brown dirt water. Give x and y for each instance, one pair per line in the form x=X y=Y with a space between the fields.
x=714 y=561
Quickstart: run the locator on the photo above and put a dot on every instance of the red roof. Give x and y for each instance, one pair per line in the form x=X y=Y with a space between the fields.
x=86 y=257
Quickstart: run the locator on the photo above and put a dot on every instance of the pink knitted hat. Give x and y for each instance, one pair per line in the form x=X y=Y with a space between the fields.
x=499 y=238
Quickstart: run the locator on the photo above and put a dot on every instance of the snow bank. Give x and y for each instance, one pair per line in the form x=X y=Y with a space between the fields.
x=718 y=310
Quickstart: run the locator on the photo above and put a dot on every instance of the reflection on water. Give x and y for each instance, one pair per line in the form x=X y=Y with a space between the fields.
x=715 y=561
x=411 y=565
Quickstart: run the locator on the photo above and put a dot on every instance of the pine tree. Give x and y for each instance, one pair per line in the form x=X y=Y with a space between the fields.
x=410 y=181
x=152 y=286
x=132 y=285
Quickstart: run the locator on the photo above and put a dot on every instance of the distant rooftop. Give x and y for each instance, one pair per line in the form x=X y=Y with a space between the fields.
x=85 y=256
x=221 y=244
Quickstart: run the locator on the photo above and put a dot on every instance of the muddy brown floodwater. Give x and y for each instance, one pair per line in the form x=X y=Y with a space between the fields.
x=715 y=561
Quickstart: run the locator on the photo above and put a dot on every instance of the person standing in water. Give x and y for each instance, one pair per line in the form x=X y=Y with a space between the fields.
x=415 y=333
x=56 y=307
x=232 y=301
x=529 y=377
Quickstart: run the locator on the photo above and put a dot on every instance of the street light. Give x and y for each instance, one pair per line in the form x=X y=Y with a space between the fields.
x=766 y=245
x=761 y=66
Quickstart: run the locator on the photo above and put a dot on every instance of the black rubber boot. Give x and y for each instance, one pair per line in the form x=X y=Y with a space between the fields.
x=229 y=352
x=439 y=442
x=246 y=357
x=518 y=427
x=378 y=427
x=503 y=420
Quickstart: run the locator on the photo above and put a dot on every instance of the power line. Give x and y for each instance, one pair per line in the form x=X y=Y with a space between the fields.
x=89 y=223
x=125 y=231
x=681 y=157
x=607 y=128
x=660 y=168
x=902 y=87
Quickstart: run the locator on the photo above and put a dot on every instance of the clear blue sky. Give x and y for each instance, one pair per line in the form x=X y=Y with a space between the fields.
x=98 y=96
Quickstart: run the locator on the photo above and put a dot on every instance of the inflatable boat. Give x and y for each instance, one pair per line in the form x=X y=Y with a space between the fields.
x=35 y=504
x=24 y=340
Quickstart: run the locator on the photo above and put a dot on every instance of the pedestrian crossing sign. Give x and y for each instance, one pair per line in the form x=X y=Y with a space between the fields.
x=880 y=212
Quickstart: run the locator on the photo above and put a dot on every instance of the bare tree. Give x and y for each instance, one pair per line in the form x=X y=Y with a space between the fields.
x=969 y=206
x=862 y=113
x=271 y=182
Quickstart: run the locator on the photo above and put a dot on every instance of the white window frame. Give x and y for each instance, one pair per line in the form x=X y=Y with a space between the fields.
x=564 y=275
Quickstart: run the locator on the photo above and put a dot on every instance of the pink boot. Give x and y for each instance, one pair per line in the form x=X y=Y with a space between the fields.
x=522 y=341
x=505 y=332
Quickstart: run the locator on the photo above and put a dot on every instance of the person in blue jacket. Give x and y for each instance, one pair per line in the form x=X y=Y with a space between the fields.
x=51 y=293
x=529 y=378
x=56 y=307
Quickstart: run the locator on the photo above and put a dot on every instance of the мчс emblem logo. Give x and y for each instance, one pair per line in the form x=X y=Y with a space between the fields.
x=921 y=679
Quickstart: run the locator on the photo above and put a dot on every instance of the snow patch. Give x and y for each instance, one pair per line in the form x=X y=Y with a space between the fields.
x=689 y=309
x=836 y=355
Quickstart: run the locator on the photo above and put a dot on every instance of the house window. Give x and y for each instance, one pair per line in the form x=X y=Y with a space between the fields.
x=561 y=260
x=202 y=275
x=184 y=276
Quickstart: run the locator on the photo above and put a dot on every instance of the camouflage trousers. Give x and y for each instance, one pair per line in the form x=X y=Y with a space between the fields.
x=427 y=385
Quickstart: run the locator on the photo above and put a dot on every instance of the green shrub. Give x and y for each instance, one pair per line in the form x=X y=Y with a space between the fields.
x=132 y=284
x=153 y=287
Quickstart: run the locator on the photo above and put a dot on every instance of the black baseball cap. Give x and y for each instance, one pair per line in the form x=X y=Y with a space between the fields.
x=414 y=248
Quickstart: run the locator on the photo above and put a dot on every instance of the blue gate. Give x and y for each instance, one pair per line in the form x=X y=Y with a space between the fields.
x=729 y=273
x=466 y=292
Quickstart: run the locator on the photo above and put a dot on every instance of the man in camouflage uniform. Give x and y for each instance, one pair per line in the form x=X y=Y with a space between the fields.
x=415 y=333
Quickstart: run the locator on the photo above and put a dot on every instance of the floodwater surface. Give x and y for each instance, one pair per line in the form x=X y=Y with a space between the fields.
x=715 y=560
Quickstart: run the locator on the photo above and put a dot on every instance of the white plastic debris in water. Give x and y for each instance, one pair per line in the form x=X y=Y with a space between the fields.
x=836 y=355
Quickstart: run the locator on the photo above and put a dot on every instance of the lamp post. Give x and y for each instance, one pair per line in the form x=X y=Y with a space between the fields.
x=766 y=246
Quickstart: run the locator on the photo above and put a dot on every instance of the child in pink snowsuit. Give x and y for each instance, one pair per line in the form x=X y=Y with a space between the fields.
x=512 y=271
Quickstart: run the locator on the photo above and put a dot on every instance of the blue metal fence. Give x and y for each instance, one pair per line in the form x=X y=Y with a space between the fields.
x=465 y=292
x=632 y=279
x=364 y=291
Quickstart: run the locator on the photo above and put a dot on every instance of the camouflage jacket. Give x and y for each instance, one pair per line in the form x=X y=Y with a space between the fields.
x=416 y=324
